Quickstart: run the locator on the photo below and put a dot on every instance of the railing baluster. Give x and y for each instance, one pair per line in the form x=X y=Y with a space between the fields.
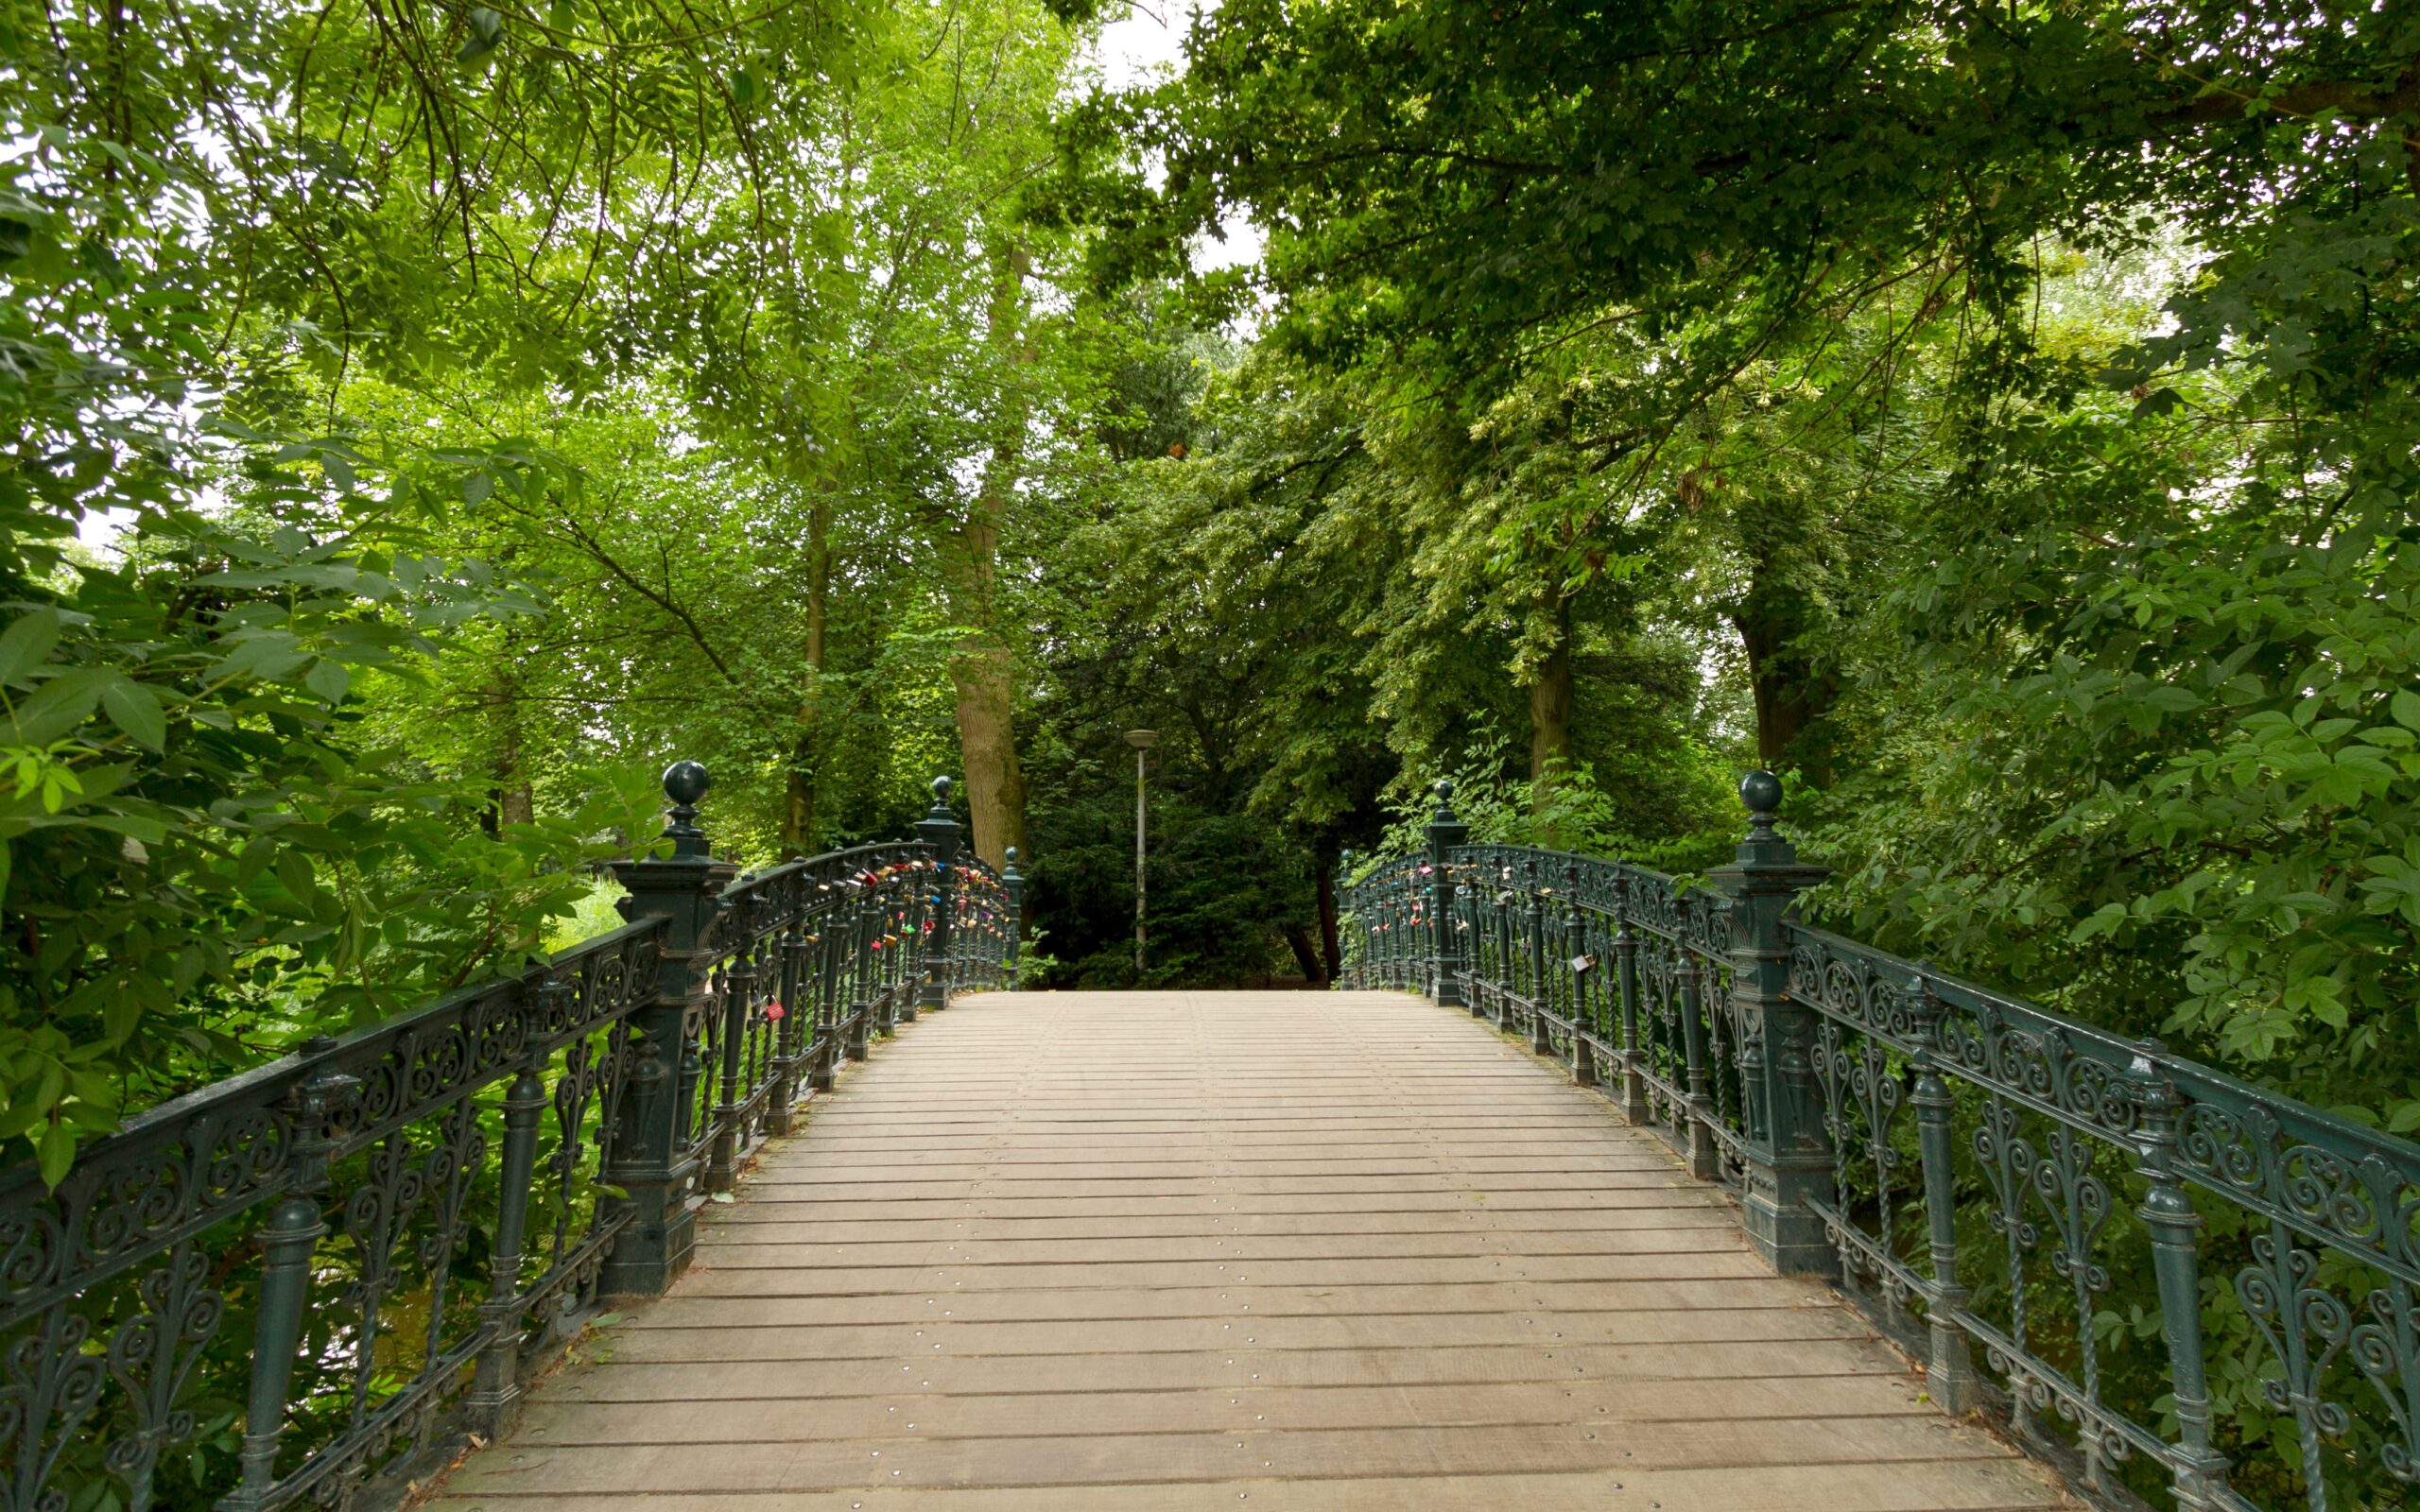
x=293 y=1230
x=2200 y=1472
x=1626 y=987
x=1950 y=1376
x=1013 y=885
x=739 y=982
x=861 y=953
x=781 y=1103
x=1700 y=1109
x=497 y=1389
x=1583 y=1024
x=1542 y=974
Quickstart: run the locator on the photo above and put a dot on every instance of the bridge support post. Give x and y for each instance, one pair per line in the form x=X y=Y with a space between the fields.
x=939 y=829
x=656 y=1160
x=1788 y=1154
x=1445 y=832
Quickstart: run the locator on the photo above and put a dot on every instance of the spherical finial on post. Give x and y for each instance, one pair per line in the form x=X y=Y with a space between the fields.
x=1009 y=873
x=1761 y=792
x=941 y=787
x=1444 y=790
x=684 y=784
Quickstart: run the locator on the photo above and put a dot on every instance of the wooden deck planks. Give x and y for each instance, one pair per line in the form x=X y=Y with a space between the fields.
x=1158 y=1251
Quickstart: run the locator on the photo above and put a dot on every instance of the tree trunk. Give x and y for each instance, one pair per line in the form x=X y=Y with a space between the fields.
x=1305 y=955
x=985 y=676
x=1791 y=692
x=511 y=798
x=1550 y=696
x=983 y=667
x=806 y=755
x=1330 y=945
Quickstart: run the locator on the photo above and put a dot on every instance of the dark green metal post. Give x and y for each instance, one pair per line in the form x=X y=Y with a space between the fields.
x=861 y=935
x=496 y=1394
x=795 y=1030
x=1013 y=885
x=1445 y=832
x=825 y=942
x=739 y=986
x=891 y=980
x=1788 y=1154
x=2201 y=1471
x=1584 y=1020
x=1950 y=1376
x=940 y=829
x=293 y=1230
x=1499 y=949
x=1541 y=986
x=1702 y=1159
x=1626 y=989
x=652 y=1163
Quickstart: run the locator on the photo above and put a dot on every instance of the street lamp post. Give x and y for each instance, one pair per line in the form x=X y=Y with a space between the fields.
x=1142 y=740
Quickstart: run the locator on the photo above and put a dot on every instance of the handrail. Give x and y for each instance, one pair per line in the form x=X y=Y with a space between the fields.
x=354 y=1255
x=2181 y=1286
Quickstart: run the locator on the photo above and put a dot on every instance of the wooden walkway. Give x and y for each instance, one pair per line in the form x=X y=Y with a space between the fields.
x=1129 y=1252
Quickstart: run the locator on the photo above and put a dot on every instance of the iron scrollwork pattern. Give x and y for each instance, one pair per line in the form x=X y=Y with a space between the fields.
x=2143 y=1217
x=2173 y=1285
x=350 y=1256
x=1619 y=971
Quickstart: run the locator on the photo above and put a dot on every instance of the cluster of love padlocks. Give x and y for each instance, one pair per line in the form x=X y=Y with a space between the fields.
x=870 y=877
x=1419 y=916
x=876 y=876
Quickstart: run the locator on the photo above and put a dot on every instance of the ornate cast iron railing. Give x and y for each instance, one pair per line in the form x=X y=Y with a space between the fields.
x=309 y=1282
x=2178 y=1287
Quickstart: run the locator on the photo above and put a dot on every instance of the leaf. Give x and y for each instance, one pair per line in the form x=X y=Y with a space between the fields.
x=60 y=704
x=329 y=679
x=26 y=642
x=294 y=874
x=55 y=1152
x=135 y=709
x=486 y=29
x=2407 y=708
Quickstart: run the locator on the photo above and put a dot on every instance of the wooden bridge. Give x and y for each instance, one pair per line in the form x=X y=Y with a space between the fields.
x=1600 y=1189
x=1085 y=1252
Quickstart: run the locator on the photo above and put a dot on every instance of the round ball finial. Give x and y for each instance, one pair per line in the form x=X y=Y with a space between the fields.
x=1761 y=792
x=1012 y=855
x=940 y=789
x=1444 y=788
x=684 y=782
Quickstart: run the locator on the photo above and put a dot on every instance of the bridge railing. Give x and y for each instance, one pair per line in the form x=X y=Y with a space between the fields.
x=313 y=1281
x=2179 y=1288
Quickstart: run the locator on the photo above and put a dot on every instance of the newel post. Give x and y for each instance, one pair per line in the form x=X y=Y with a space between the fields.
x=940 y=830
x=1445 y=832
x=1789 y=1156
x=655 y=1151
